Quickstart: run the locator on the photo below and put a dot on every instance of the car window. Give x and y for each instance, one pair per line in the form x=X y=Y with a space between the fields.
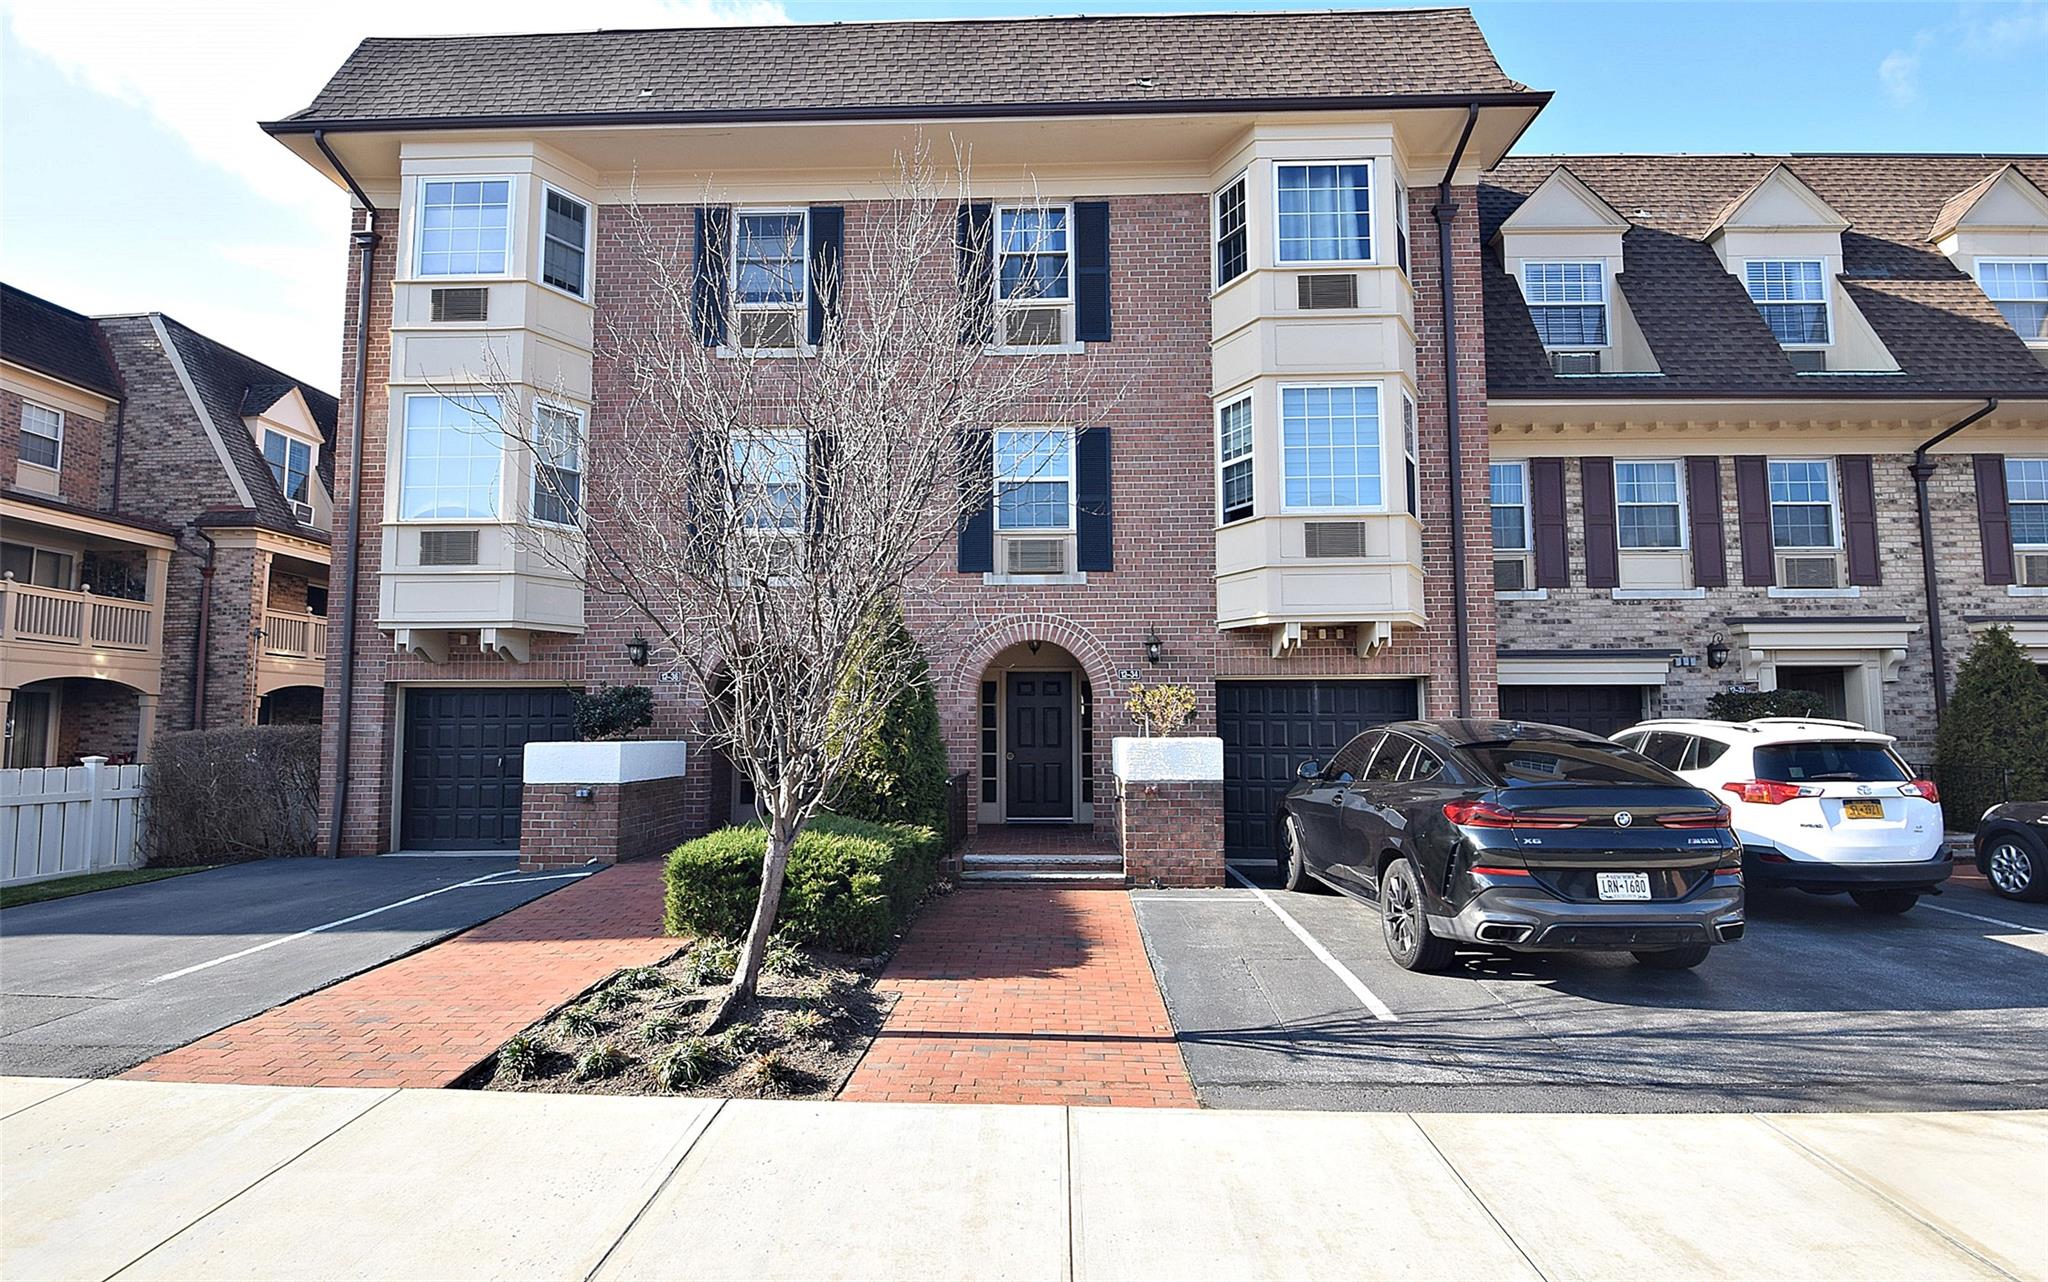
x=1539 y=761
x=1822 y=762
x=1705 y=752
x=1351 y=758
x=1634 y=742
x=1423 y=766
x=1667 y=749
x=1386 y=763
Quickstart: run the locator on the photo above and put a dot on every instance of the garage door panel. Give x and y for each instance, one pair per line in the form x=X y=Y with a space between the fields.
x=1270 y=727
x=464 y=762
x=1600 y=710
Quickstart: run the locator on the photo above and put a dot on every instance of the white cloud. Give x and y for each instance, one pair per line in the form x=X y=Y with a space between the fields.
x=1899 y=73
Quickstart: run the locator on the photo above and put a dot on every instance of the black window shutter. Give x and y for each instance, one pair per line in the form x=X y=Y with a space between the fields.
x=708 y=286
x=818 y=490
x=828 y=239
x=1603 y=553
x=1994 y=519
x=1709 y=541
x=1094 y=544
x=1753 y=514
x=1546 y=507
x=1859 y=520
x=977 y=249
x=1091 y=271
x=977 y=492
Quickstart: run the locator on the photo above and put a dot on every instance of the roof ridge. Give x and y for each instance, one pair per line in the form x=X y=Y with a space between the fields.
x=237 y=352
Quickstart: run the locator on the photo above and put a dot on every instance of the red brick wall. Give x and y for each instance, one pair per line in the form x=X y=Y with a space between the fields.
x=87 y=442
x=557 y=829
x=1172 y=832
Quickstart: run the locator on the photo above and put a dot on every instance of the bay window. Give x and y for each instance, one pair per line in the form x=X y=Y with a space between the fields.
x=557 y=464
x=464 y=227
x=565 y=243
x=1234 y=459
x=1330 y=447
x=450 y=458
x=1324 y=212
x=770 y=286
x=1792 y=294
x=1034 y=479
x=1233 y=248
x=1647 y=506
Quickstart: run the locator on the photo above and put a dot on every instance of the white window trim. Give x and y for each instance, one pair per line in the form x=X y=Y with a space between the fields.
x=1379 y=387
x=1068 y=344
x=1073 y=483
x=1684 y=534
x=802 y=305
x=58 y=466
x=1827 y=300
x=1250 y=455
x=793 y=435
x=416 y=241
x=1834 y=510
x=533 y=489
x=1411 y=454
x=1522 y=267
x=540 y=273
x=396 y=498
x=1528 y=529
x=1977 y=274
x=1243 y=178
x=1372 y=213
x=312 y=460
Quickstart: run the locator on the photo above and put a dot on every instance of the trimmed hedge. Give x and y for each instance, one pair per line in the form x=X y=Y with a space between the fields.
x=851 y=886
x=1748 y=705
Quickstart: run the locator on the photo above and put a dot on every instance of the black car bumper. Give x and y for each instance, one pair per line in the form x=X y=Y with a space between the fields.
x=1530 y=920
x=1760 y=869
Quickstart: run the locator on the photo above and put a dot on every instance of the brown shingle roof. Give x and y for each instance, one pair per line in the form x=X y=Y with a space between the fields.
x=1130 y=63
x=39 y=335
x=1708 y=337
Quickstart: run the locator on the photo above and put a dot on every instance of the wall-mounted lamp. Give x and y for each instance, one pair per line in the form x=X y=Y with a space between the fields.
x=1153 y=647
x=1717 y=652
x=1032 y=645
x=636 y=652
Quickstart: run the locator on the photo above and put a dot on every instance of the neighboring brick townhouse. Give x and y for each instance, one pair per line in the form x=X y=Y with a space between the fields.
x=163 y=524
x=1267 y=226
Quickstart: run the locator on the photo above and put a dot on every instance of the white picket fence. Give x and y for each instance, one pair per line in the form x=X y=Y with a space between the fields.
x=70 y=819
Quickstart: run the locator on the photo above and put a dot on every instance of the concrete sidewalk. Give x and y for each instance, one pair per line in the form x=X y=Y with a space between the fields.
x=181 y=1180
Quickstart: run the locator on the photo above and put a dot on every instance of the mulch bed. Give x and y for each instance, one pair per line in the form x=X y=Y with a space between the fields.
x=638 y=1032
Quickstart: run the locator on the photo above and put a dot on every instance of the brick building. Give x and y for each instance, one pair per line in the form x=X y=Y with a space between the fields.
x=1282 y=234
x=165 y=513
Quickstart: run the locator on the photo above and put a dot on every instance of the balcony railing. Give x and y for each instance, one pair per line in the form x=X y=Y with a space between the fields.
x=294 y=636
x=54 y=616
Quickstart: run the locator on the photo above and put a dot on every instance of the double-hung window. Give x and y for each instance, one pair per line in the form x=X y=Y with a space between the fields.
x=769 y=284
x=1401 y=224
x=565 y=243
x=291 y=465
x=1510 y=526
x=1647 y=507
x=2018 y=287
x=1803 y=505
x=1324 y=212
x=1792 y=294
x=1034 y=477
x=768 y=474
x=1234 y=458
x=1330 y=447
x=1034 y=275
x=1233 y=245
x=465 y=226
x=1408 y=444
x=1568 y=302
x=452 y=455
x=42 y=435
x=2026 y=500
x=557 y=464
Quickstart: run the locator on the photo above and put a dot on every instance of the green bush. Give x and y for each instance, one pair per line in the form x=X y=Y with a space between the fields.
x=850 y=886
x=1996 y=726
x=613 y=712
x=1748 y=705
x=898 y=773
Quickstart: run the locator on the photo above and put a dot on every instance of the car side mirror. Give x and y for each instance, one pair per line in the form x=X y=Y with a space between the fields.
x=1309 y=770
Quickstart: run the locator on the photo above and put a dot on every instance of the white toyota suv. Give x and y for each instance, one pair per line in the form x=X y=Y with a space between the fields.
x=1821 y=806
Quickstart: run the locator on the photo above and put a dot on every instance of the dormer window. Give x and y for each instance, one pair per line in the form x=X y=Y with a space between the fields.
x=2018 y=287
x=291 y=464
x=1568 y=302
x=1792 y=294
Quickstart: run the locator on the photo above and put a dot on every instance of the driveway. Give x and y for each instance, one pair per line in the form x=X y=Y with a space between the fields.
x=94 y=984
x=1821 y=1006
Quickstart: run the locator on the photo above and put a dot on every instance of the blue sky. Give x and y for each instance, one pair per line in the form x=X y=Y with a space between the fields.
x=132 y=176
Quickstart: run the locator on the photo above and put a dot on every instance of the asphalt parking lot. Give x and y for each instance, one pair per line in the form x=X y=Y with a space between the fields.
x=1821 y=1007
x=95 y=984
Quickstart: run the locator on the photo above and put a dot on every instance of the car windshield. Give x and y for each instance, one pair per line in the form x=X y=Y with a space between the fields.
x=1530 y=761
x=1824 y=762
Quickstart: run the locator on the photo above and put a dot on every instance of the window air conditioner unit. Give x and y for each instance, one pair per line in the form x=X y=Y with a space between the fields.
x=2034 y=569
x=1808 y=360
x=1809 y=572
x=1034 y=327
x=768 y=331
x=1035 y=556
x=447 y=547
x=1511 y=574
x=304 y=511
x=1575 y=362
x=1333 y=538
x=1320 y=291
x=470 y=303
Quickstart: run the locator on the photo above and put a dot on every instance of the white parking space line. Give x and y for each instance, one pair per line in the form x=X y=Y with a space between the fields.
x=488 y=878
x=1989 y=921
x=1379 y=1009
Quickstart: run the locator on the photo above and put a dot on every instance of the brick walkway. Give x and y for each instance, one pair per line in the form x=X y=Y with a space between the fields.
x=426 y=1019
x=1025 y=995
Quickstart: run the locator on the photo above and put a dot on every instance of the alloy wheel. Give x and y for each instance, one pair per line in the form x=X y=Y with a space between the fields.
x=1397 y=906
x=2010 y=869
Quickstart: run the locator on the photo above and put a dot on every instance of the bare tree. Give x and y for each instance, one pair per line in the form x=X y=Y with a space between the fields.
x=805 y=435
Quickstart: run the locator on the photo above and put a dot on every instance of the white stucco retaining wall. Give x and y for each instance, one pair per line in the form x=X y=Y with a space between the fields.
x=619 y=761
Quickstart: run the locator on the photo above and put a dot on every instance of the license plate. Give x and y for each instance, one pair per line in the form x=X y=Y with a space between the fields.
x=1863 y=810
x=1624 y=885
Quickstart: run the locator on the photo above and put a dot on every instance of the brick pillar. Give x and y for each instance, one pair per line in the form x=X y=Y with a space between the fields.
x=1170 y=810
x=602 y=802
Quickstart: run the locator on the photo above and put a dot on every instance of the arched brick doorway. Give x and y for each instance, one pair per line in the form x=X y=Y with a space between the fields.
x=1024 y=709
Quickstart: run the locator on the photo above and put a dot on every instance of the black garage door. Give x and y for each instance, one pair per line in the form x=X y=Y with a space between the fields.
x=1270 y=727
x=1599 y=710
x=464 y=759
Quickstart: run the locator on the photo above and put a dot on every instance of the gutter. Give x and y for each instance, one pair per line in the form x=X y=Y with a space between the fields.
x=1446 y=213
x=199 y=633
x=1922 y=468
x=365 y=242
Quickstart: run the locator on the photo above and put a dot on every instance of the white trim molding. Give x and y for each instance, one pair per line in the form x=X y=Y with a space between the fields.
x=1589 y=669
x=612 y=761
x=1196 y=758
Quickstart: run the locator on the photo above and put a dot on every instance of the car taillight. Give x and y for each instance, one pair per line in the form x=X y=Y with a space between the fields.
x=1767 y=792
x=1718 y=817
x=1923 y=788
x=1484 y=814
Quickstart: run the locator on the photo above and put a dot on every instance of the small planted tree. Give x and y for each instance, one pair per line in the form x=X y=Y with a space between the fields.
x=1162 y=709
x=613 y=712
x=897 y=774
x=1993 y=740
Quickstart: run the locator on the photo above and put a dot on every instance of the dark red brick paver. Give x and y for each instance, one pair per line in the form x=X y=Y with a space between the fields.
x=1025 y=995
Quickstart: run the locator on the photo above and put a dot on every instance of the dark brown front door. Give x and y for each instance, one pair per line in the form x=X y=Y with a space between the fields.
x=1040 y=754
x=465 y=762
